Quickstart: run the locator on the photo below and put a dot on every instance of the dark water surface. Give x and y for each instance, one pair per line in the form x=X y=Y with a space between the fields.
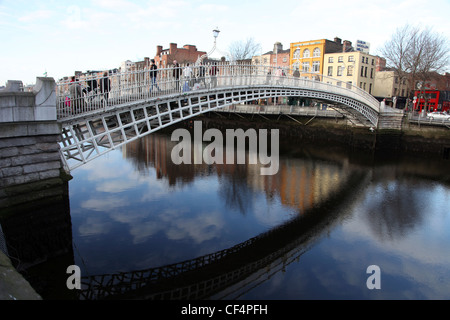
x=309 y=232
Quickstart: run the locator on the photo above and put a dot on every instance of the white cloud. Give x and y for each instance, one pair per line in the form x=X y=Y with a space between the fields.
x=39 y=15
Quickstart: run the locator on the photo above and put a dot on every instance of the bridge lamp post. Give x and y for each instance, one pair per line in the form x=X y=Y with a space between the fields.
x=216 y=32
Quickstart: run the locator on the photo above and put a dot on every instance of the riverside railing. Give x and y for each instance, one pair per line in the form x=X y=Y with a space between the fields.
x=103 y=91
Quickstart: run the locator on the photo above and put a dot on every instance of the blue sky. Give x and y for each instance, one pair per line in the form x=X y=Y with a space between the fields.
x=63 y=36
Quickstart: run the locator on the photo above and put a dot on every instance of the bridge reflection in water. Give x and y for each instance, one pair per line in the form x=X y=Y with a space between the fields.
x=314 y=191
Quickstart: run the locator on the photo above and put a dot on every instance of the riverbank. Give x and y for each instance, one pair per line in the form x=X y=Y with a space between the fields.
x=422 y=141
x=13 y=286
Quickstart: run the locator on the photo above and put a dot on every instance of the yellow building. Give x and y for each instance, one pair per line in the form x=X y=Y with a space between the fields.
x=355 y=68
x=307 y=57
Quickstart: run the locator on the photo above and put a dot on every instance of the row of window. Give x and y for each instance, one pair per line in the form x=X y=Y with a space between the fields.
x=306 y=53
x=351 y=59
x=340 y=71
x=306 y=66
x=349 y=84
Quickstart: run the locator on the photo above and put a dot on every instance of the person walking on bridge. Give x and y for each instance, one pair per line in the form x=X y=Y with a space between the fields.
x=76 y=96
x=153 y=75
x=105 y=87
x=176 y=74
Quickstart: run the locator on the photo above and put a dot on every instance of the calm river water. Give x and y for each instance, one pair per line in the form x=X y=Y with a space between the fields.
x=309 y=232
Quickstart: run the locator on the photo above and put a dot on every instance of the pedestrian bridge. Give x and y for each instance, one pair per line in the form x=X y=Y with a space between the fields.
x=97 y=118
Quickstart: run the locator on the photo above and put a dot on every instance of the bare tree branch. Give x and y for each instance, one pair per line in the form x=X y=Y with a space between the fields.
x=415 y=53
x=240 y=50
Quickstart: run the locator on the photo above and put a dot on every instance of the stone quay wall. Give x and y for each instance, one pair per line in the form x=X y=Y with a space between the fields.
x=29 y=150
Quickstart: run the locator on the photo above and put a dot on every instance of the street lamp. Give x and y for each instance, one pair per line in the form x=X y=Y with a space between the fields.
x=216 y=32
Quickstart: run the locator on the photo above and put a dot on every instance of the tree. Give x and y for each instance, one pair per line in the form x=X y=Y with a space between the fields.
x=240 y=50
x=415 y=53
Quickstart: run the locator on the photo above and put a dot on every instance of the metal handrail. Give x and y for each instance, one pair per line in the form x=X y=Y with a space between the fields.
x=87 y=93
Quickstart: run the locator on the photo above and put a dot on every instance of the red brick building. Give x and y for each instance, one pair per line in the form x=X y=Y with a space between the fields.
x=187 y=54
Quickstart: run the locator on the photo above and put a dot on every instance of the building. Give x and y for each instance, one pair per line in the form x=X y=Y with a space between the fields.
x=308 y=56
x=188 y=54
x=355 y=68
x=389 y=87
x=277 y=57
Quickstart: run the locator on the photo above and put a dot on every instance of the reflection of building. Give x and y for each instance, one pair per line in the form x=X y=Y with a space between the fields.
x=300 y=183
x=154 y=151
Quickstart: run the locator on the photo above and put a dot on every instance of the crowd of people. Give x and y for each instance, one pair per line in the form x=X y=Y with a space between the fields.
x=184 y=79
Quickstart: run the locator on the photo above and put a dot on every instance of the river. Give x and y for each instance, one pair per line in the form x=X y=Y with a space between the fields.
x=331 y=224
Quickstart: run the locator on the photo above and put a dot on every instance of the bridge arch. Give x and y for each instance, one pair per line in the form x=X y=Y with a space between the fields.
x=92 y=125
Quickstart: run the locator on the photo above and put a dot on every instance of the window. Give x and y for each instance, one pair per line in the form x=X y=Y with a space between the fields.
x=370 y=88
x=305 y=67
x=316 y=66
x=296 y=54
x=351 y=58
x=340 y=59
x=373 y=62
x=363 y=59
x=371 y=73
x=350 y=71
x=316 y=53
x=339 y=83
x=339 y=70
x=330 y=71
x=330 y=59
x=274 y=60
x=285 y=59
x=296 y=65
x=362 y=71
x=306 y=53
x=365 y=74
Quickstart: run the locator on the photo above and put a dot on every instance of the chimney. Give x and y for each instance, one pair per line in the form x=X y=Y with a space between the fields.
x=338 y=40
x=347 y=46
x=172 y=48
x=158 y=50
x=277 y=47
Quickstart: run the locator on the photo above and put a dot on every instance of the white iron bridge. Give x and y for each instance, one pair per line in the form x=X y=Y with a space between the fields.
x=101 y=113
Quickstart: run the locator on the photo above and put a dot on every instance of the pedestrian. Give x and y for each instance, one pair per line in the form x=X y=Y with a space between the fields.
x=278 y=75
x=76 y=96
x=91 y=89
x=105 y=87
x=188 y=75
x=153 y=75
x=202 y=74
x=177 y=74
x=213 y=73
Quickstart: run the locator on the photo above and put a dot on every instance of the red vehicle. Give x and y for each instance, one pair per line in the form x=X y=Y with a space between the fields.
x=436 y=100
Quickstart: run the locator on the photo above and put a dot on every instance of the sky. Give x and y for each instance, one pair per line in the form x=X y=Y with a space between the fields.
x=63 y=36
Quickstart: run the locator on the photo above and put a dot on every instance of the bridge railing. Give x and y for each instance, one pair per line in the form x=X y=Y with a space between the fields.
x=105 y=90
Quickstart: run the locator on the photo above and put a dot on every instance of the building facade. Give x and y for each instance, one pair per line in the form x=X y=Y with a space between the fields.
x=188 y=54
x=278 y=57
x=308 y=56
x=355 y=68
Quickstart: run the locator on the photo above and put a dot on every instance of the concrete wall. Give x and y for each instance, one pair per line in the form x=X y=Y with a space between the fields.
x=29 y=134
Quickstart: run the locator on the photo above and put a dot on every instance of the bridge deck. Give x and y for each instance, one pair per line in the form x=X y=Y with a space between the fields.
x=95 y=120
